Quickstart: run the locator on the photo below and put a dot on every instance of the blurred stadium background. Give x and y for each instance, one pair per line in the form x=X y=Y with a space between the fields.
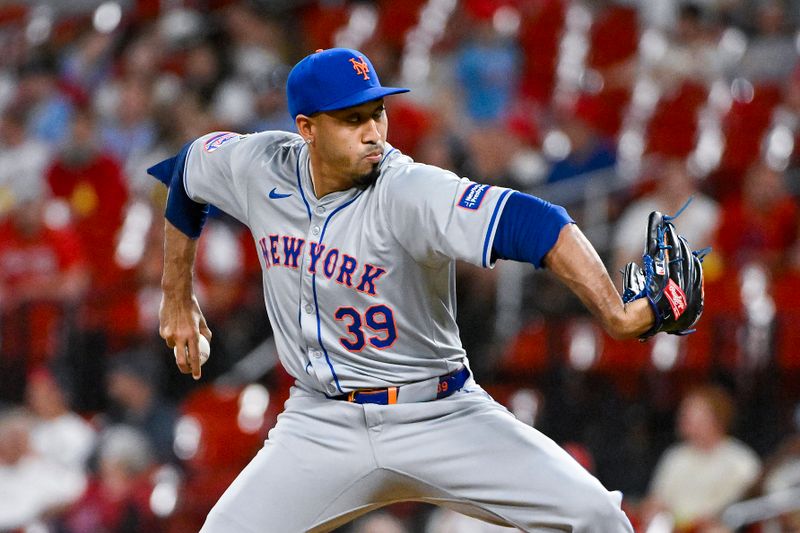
x=611 y=108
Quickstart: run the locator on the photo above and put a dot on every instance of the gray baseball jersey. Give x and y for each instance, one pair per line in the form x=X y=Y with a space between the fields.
x=359 y=285
x=360 y=290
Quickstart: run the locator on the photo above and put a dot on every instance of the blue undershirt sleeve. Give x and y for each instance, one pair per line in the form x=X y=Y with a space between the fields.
x=183 y=212
x=528 y=228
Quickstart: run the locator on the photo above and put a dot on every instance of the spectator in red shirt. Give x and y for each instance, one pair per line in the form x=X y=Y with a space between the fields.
x=42 y=276
x=117 y=499
x=93 y=184
x=760 y=224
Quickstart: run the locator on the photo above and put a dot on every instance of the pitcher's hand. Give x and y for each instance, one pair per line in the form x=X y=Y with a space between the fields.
x=180 y=323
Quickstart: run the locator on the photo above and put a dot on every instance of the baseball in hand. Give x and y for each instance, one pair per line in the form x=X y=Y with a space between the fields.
x=205 y=350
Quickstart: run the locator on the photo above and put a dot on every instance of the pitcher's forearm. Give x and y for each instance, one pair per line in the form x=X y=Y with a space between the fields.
x=179 y=256
x=575 y=262
x=180 y=319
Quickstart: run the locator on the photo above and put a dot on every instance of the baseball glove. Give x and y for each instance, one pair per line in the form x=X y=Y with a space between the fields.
x=671 y=278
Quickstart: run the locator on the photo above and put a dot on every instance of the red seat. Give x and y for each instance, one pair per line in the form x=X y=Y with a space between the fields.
x=722 y=294
x=698 y=348
x=744 y=127
x=723 y=315
x=587 y=347
x=540 y=36
x=527 y=353
x=224 y=446
x=396 y=19
x=625 y=356
x=411 y=123
x=320 y=21
x=786 y=295
x=614 y=37
x=672 y=130
x=625 y=362
x=13 y=14
x=223 y=442
x=786 y=292
x=613 y=41
x=787 y=342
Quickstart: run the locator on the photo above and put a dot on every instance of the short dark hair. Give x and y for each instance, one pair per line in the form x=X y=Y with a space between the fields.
x=41 y=63
x=719 y=401
x=691 y=11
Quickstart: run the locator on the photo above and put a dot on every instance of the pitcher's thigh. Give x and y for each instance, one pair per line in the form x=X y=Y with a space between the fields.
x=270 y=494
x=488 y=460
x=307 y=472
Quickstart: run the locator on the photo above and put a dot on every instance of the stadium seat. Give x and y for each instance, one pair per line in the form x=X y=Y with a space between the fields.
x=745 y=125
x=672 y=129
x=528 y=352
x=786 y=289
x=539 y=37
x=215 y=442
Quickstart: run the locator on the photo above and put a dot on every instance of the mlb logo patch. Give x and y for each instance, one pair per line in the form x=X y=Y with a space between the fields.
x=473 y=196
x=219 y=139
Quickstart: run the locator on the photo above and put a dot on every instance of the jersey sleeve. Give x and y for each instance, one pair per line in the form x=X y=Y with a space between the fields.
x=212 y=173
x=436 y=216
x=219 y=167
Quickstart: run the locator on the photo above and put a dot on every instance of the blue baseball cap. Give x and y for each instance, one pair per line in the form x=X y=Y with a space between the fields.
x=332 y=79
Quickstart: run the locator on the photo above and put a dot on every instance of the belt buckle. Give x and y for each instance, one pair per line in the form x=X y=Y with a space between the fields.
x=391 y=394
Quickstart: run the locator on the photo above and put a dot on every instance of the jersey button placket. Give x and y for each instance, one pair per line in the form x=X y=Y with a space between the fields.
x=319 y=366
x=308 y=318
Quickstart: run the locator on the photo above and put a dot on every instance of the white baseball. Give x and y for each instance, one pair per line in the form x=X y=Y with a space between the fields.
x=205 y=350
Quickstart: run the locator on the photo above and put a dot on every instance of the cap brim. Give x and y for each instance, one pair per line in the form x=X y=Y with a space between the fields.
x=361 y=97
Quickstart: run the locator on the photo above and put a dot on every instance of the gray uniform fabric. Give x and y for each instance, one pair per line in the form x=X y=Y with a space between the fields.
x=360 y=291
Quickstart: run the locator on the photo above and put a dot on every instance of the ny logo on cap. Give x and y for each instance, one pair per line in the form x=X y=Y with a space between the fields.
x=360 y=66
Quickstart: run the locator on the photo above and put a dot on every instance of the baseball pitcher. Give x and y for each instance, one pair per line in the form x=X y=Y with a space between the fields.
x=358 y=245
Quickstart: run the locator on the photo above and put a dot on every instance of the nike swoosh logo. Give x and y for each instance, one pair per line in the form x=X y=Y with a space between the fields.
x=275 y=195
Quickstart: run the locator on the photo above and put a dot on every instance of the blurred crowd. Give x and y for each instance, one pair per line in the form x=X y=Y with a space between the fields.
x=612 y=108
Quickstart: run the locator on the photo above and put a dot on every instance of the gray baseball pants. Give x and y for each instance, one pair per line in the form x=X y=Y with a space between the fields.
x=327 y=462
